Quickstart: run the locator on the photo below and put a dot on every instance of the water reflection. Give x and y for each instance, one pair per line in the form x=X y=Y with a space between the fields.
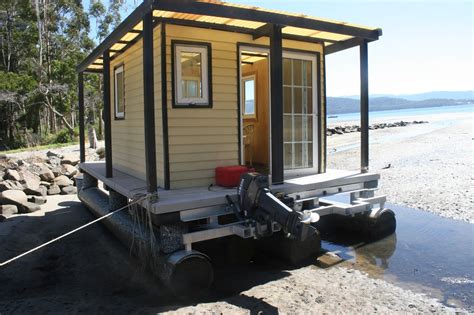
x=428 y=254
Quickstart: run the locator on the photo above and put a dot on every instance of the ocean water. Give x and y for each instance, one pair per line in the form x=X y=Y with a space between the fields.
x=416 y=113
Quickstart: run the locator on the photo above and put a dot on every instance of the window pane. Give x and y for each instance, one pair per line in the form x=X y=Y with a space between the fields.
x=249 y=96
x=298 y=128
x=191 y=74
x=307 y=73
x=309 y=100
x=120 y=93
x=308 y=136
x=298 y=155
x=287 y=161
x=298 y=100
x=287 y=128
x=287 y=96
x=286 y=71
x=297 y=72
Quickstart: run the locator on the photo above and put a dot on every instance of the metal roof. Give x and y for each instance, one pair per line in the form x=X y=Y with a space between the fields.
x=216 y=14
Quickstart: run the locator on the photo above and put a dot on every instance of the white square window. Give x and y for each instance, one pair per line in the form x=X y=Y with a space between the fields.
x=191 y=75
x=249 y=94
x=119 y=93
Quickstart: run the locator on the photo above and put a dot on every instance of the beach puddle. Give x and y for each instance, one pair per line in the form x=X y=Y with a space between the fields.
x=427 y=254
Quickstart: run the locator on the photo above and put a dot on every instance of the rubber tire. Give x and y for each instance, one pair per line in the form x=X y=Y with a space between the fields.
x=382 y=227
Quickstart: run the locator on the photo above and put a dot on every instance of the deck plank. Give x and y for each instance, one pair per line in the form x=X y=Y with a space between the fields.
x=192 y=198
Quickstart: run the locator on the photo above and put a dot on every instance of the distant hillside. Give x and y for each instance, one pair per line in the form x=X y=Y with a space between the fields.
x=342 y=105
x=451 y=95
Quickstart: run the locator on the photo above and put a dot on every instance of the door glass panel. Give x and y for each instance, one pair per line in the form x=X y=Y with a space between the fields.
x=298 y=113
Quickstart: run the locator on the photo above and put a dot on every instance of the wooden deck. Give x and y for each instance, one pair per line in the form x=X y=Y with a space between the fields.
x=192 y=198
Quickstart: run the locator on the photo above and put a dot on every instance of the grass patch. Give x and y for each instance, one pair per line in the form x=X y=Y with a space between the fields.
x=41 y=147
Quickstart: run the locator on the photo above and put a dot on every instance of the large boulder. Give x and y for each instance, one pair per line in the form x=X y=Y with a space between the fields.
x=69 y=158
x=10 y=185
x=40 y=191
x=13 y=197
x=69 y=190
x=8 y=210
x=30 y=180
x=13 y=175
x=46 y=175
x=28 y=207
x=52 y=153
x=62 y=181
x=69 y=170
x=54 y=190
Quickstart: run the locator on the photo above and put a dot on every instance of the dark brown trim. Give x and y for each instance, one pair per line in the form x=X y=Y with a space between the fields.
x=319 y=111
x=276 y=92
x=239 y=107
x=325 y=116
x=107 y=114
x=211 y=9
x=262 y=31
x=208 y=46
x=164 y=110
x=80 y=87
x=115 y=36
x=364 y=108
x=149 y=103
x=115 y=92
x=343 y=45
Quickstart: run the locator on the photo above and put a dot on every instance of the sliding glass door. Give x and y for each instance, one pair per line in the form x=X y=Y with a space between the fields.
x=299 y=112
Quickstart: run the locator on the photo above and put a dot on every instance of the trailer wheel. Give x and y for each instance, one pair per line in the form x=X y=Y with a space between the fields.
x=192 y=274
x=382 y=226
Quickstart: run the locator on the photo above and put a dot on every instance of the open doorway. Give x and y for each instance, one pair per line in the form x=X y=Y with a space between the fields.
x=255 y=109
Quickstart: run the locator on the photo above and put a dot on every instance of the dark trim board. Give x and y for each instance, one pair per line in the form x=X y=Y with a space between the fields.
x=107 y=114
x=149 y=103
x=364 y=108
x=80 y=87
x=208 y=45
x=325 y=154
x=164 y=109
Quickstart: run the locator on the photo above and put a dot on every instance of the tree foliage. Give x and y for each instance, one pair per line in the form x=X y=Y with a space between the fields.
x=41 y=42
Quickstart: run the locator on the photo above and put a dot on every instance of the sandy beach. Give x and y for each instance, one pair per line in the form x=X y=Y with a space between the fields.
x=91 y=272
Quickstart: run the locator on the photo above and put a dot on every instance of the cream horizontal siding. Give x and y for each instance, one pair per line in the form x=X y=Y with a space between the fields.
x=128 y=146
x=201 y=139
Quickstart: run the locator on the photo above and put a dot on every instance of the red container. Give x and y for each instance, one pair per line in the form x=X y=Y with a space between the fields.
x=229 y=176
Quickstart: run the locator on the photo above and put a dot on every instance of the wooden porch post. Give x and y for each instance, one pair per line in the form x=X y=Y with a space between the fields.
x=149 y=103
x=107 y=114
x=276 y=71
x=80 y=86
x=364 y=108
x=164 y=109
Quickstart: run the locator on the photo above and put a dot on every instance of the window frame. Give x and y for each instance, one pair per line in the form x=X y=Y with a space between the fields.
x=120 y=68
x=206 y=74
x=245 y=78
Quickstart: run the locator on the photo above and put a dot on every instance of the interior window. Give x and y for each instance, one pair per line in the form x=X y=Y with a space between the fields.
x=191 y=75
x=249 y=97
x=119 y=92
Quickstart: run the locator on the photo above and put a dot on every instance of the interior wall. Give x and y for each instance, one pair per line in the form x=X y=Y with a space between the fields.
x=260 y=139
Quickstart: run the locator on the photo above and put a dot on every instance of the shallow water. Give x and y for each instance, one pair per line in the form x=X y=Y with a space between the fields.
x=427 y=254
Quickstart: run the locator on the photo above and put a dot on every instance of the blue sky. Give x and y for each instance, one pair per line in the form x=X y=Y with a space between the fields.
x=426 y=45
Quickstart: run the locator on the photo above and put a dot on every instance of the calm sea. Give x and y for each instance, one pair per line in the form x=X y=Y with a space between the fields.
x=418 y=112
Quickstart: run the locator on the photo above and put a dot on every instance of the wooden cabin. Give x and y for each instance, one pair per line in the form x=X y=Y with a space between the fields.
x=191 y=85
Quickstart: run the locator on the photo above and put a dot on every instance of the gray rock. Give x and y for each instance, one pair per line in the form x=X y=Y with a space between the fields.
x=2 y=173
x=3 y=156
x=54 y=190
x=30 y=180
x=53 y=154
x=46 y=184
x=8 y=210
x=40 y=191
x=69 y=158
x=13 y=175
x=28 y=207
x=62 y=181
x=100 y=152
x=69 y=190
x=37 y=200
x=69 y=170
x=54 y=160
x=10 y=185
x=13 y=197
x=47 y=175
x=57 y=171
